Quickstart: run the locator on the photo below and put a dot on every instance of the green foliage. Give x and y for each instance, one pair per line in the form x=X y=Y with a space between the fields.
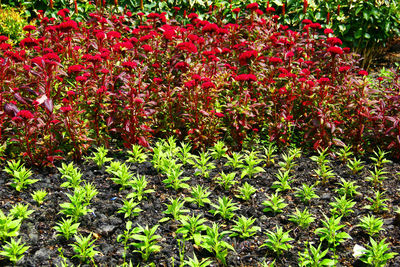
x=314 y=257
x=377 y=203
x=380 y=158
x=344 y=153
x=12 y=21
x=302 y=218
x=306 y=193
x=278 y=241
x=71 y=174
x=235 y=160
x=139 y=185
x=202 y=164
x=355 y=165
x=274 y=203
x=122 y=176
x=347 y=189
x=21 y=178
x=284 y=181
x=371 y=224
x=100 y=157
x=342 y=206
x=191 y=228
x=174 y=179
x=9 y=226
x=246 y=191
x=39 y=196
x=77 y=206
x=199 y=196
x=218 y=150
x=146 y=241
x=226 y=208
x=194 y=262
x=377 y=176
x=226 y=181
x=377 y=254
x=330 y=232
x=84 y=248
x=250 y=167
x=269 y=154
x=14 y=250
x=20 y=211
x=244 y=227
x=66 y=228
x=129 y=208
x=214 y=243
x=175 y=209
x=137 y=155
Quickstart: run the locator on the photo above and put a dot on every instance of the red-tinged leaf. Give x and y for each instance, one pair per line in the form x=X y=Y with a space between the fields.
x=142 y=141
x=11 y=109
x=109 y=121
x=20 y=99
x=41 y=99
x=48 y=104
x=337 y=142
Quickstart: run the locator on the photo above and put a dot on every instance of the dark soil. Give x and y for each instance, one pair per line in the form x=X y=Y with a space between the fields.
x=106 y=224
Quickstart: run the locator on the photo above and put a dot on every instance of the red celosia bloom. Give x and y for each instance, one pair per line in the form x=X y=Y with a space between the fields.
x=140 y=14
x=147 y=48
x=129 y=64
x=3 y=38
x=176 y=8
x=63 y=12
x=104 y=71
x=344 y=68
x=146 y=37
x=236 y=10
x=335 y=50
x=29 y=28
x=67 y=26
x=182 y=65
x=81 y=79
x=5 y=46
x=323 y=80
x=282 y=90
x=138 y=100
x=190 y=84
x=157 y=80
x=28 y=42
x=246 y=77
x=113 y=34
x=196 y=77
x=50 y=58
x=207 y=85
x=66 y=109
x=187 y=46
x=259 y=12
x=270 y=10
x=210 y=27
x=193 y=16
x=363 y=73
x=306 y=21
x=75 y=68
x=100 y=35
x=245 y=56
x=252 y=6
x=315 y=25
x=169 y=34
x=126 y=45
x=26 y=114
x=328 y=31
x=153 y=16
x=156 y=65
x=334 y=41
x=275 y=60
x=346 y=50
x=193 y=37
x=70 y=93
x=219 y=114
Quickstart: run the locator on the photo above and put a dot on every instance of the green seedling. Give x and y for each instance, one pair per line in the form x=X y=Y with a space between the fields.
x=191 y=228
x=250 y=167
x=347 y=189
x=226 y=181
x=344 y=153
x=302 y=218
x=274 y=203
x=194 y=262
x=377 y=203
x=21 y=178
x=379 y=158
x=321 y=159
x=314 y=257
x=355 y=165
x=199 y=196
x=66 y=228
x=377 y=254
x=371 y=224
x=39 y=196
x=174 y=179
x=128 y=234
x=100 y=157
x=122 y=176
x=284 y=181
x=377 y=176
x=89 y=191
x=218 y=150
x=288 y=162
x=78 y=205
x=20 y=211
x=129 y=209
x=244 y=227
x=246 y=191
x=14 y=250
x=136 y=155
x=306 y=193
x=84 y=248
x=146 y=241
x=184 y=153
x=9 y=226
x=175 y=209
x=13 y=166
x=203 y=165
x=214 y=243
x=324 y=173
x=342 y=206
x=330 y=232
x=226 y=208
x=139 y=185
x=270 y=155
x=71 y=174
x=235 y=160
x=278 y=241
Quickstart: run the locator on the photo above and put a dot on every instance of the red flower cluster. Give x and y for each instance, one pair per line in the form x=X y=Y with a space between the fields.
x=207 y=85
x=187 y=46
x=245 y=56
x=335 y=50
x=252 y=6
x=246 y=77
x=25 y=114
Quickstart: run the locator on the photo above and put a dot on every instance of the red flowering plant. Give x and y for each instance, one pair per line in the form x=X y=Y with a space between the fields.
x=133 y=77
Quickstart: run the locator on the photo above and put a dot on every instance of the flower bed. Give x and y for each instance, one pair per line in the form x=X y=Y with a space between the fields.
x=132 y=77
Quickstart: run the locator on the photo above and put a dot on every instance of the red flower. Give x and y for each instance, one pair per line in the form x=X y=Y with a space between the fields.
x=157 y=80
x=67 y=26
x=259 y=12
x=211 y=27
x=190 y=84
x=63 y=12
x=113 y=34
x=323 y=80
x=28 y=42
x=334 y=41
x=29 y=28
x=335 y=50
x=147 y=48
x=138 y=100
x=270 y=9
x=75 y=68
x=188 y=46
x=245 y=56
x=236 y=10
x=193 y=16
x=66 y=109
x=182 y=66
x=3 y=38
x=315 y=25
x=100 y=35
x=275 y=60
x=129 y=64
x=81 y=79
x=169 y=34
x=207 y=85
x=176 y=8
x=252 y=6
x=328 y=31
x=363 y=73
x=246 y=77
x=26 y=114
x=219 y=115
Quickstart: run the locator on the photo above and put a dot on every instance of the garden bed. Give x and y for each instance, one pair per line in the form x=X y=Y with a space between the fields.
x=105 y=224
